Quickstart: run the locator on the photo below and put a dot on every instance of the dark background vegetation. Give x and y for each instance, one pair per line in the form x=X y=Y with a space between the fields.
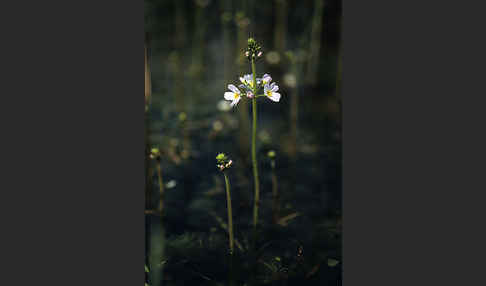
x=194 y=50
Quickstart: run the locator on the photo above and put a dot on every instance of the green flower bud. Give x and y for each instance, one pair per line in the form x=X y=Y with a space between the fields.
x=182 y=116
x=221 y=157
x=155 y=153
x=271 y=154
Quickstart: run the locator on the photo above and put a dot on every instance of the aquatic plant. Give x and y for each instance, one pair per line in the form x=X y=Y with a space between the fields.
x=250 y=86
x=223 y=164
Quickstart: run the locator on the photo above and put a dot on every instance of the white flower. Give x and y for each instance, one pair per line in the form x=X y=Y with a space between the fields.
x=234 y=95
x=271 y=92
x=247 y=79
x=266 y=79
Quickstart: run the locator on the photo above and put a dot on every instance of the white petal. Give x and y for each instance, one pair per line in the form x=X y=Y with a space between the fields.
x=267 y=78
x=233 y=88
x=242 y=79
x=275 y=96
x=266 y=87
x=229 y=95
x=275 y=88
x=235 y=101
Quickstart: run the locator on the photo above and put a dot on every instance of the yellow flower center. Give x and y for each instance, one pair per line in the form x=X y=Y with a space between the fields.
x=269 y=93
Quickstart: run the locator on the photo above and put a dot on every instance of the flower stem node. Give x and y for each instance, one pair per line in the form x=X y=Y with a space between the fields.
x=223 y=162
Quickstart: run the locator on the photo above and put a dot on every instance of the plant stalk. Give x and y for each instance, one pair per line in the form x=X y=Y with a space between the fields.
x=253 y=150
x=230 y=230
x=230 y=214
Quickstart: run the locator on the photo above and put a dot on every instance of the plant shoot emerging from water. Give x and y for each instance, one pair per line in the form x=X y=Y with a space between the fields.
x=223 y=164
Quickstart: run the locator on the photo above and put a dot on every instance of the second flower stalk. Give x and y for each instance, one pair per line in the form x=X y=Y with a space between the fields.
x=223 y=164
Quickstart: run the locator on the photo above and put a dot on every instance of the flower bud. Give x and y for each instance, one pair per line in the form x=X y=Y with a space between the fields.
x=271 y=154
x=154 y=154
x=223 y=162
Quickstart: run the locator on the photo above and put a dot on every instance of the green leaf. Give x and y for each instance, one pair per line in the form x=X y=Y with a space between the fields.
x=146 y=268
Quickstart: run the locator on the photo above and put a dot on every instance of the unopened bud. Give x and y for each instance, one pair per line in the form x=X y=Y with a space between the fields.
x=229 y=164
x=223 y=162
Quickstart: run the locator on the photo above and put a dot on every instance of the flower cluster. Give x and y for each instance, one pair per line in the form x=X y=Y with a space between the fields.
x=250 y=85
x=247 y=88
x=254 y=50
x=223 y=162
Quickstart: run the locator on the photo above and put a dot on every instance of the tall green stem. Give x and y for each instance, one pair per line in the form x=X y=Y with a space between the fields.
x=253 y=148
x=230 y=214
x=230 y=229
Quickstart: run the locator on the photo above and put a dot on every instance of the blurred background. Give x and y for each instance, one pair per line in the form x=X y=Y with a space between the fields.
x=193 y=50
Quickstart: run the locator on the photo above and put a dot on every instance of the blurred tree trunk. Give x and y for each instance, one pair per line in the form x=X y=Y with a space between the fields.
x=180 y=39
x=296 y=69
x=279 y=40
x=339 y=72
x=226 y=17
x=148 y=92
x=315 y=43
x=198 y=52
